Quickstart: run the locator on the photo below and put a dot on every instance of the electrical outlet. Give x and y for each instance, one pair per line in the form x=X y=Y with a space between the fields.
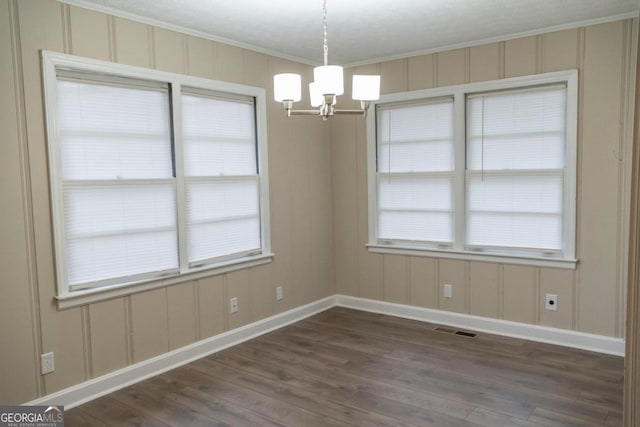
x=448 y=290
x=233 y=303
x=279 y=293
x=551 y=302
x=47 y=364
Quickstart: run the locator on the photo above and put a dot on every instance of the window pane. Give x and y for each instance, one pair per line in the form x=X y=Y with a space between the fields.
x=515 y=230
x=120 y=256
x=415 y=226
x=515 y=211
x=218 y=137
x=219 y=239
x=112 y=132
x=517 y=130
x=111 y=208
x=544 y=151
x=522 y=130
x=222 y=217
x=415 y=208
x=416 y=138
x=415 y=192
x=118 y=231
x=432 y=156
x=515 y=193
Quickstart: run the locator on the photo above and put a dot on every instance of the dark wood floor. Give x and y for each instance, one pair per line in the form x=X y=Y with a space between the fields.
x=346 y=367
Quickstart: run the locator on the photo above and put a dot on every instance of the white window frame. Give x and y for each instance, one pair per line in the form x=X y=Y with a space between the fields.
x=565 y=260
x=51 y=62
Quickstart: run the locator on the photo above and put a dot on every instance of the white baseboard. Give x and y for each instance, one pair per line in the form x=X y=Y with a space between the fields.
x=563 y=337
x=94 y=388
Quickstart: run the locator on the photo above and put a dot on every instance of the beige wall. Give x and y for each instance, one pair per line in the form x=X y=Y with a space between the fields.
x=93 y=340
x=591 y=298
x=318 y=200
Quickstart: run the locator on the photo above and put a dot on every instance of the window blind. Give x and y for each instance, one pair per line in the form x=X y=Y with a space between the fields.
x=415 y=163
x=221 y=177
x=516 y=145
x=117 y=182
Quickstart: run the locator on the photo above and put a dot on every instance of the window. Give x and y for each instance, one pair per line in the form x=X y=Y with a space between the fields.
x=221 y=177
x=515 y=167
x=481 y=171
x=416 y=172
x=154 y=176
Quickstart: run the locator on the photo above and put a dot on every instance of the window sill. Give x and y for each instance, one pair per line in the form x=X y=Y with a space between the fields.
x=88 y=296
x=537 y=261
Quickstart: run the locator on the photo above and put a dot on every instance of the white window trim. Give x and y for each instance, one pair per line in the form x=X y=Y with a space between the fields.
x=459 y=93
x=66 y=298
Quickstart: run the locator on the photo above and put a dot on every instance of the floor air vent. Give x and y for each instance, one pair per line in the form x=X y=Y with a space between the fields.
x=456 y=332
x=467 y=334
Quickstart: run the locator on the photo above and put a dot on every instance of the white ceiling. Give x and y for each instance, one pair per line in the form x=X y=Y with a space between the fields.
x=363 y=31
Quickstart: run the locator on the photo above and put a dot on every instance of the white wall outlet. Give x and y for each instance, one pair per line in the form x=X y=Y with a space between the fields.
x=551 y=302
x=47 y=364
x=233 y=305
x=448 y=290
x=279 y=293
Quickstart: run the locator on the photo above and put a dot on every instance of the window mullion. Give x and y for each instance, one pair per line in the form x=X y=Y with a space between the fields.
x=178 y=167
x=570 y=177
x=459 y=181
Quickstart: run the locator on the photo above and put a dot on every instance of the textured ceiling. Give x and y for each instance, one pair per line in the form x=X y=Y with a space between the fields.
x=363 y=31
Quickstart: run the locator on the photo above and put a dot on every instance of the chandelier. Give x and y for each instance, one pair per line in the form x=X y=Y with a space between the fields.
x=327 y=85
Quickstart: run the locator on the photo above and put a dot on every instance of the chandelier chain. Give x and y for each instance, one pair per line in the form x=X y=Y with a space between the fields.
x=325 y=45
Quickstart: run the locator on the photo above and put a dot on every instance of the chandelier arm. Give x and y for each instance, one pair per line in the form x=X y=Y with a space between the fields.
x=303 y=112
x=354 y=112
x=364 y=107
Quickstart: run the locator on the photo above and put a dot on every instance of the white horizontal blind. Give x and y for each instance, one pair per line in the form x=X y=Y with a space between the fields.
x=415 y=164
x=221 y=178
x=117 y=182
x=516 y=145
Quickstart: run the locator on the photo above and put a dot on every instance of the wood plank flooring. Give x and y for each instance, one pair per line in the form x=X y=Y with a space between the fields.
x=346 y=367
